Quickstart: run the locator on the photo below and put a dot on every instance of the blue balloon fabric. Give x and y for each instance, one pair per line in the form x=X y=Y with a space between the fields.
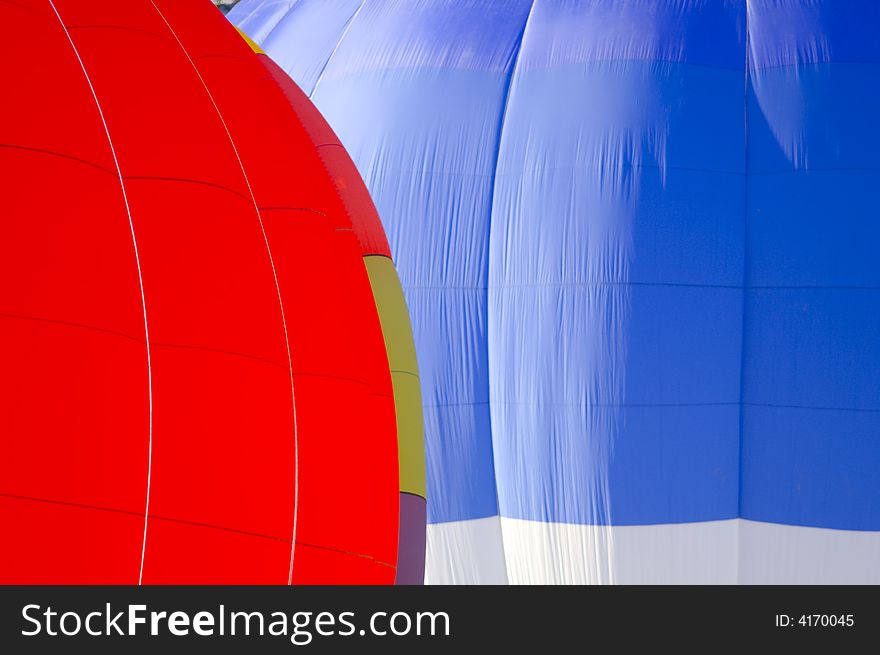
x=638 y=241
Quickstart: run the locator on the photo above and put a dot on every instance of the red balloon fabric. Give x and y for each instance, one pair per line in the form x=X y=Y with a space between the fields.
x=195 y=386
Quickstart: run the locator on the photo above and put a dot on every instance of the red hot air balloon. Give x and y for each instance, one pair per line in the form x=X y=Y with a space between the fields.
x=195 y=380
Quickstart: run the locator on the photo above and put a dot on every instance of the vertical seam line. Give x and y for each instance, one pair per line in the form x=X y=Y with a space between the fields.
x=140 y=283
x=513 y=68
x=742 y=359
x=277 y=289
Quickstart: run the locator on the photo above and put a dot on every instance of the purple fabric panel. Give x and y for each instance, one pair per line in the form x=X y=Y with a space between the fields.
x=411 y=540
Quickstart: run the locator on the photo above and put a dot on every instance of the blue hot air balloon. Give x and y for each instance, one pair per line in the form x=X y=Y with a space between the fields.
x=638 y=241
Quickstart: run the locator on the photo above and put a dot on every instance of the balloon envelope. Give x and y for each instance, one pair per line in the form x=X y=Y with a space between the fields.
x=638 y=241
x=195 y=382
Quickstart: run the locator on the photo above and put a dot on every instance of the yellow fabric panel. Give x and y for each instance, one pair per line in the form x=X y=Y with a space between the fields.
x=401 y=350
x=410 y=432
x=392 y=314
x=253 y=45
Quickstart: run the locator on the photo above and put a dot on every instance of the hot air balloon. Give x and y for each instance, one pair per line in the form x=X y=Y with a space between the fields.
x=638 y=243
x=199 y=315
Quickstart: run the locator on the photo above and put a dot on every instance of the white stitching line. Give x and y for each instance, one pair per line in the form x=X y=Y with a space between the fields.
x=140 y=282
x=335 y=48
x=277 y=289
